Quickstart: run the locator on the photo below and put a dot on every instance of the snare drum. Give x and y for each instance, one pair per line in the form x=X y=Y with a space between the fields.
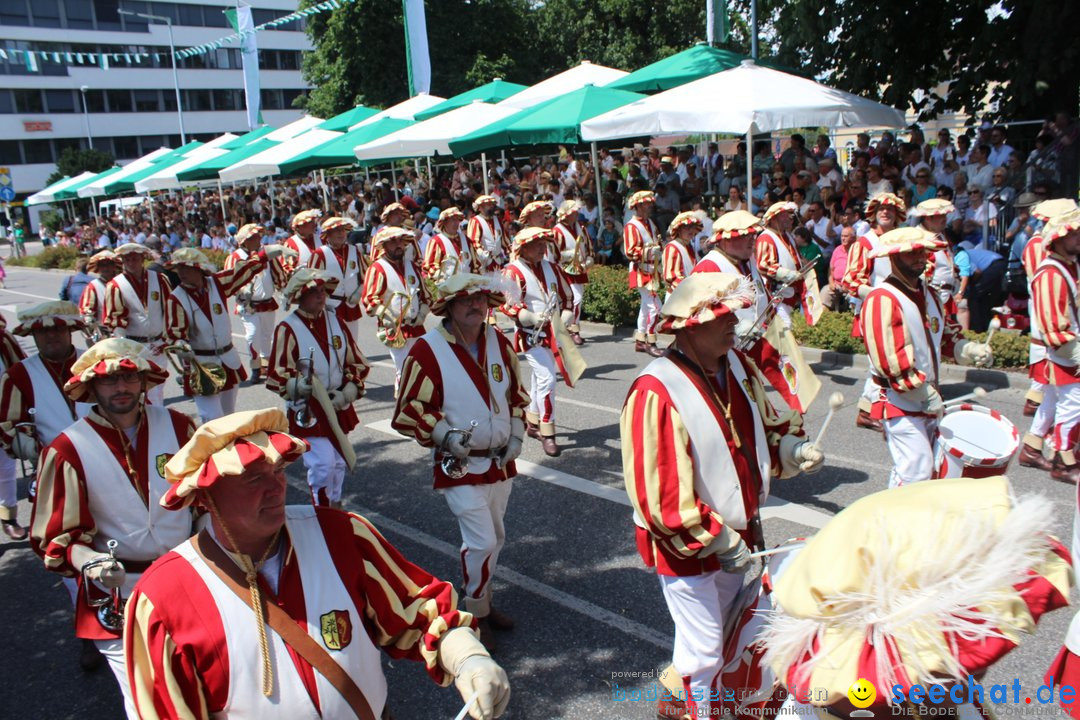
x=974 y=441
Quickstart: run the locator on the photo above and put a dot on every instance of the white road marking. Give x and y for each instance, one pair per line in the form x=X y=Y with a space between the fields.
x=566 y=600
x=19 y=292
x=774 y=507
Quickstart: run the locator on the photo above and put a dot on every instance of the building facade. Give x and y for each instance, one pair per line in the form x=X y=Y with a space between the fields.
x=130 y=107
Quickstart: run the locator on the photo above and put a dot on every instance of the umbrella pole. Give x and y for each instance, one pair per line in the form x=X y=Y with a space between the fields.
x=150 y=202
x=599 y=190
x=430 y=181
x=273 y=212
x=749 y=168
x=483 y=168
x=325 y=192
x=708 y=166
x=393 y=182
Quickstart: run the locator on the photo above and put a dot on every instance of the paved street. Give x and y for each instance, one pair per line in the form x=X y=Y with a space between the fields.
x=570 y=574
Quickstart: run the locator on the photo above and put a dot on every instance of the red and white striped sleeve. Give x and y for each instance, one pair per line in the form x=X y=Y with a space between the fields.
x=859 y=267
x=233 y=279
x=374 y=288
x=1033 y=255
x=674 y=272
x=116 y=312
x=10 y=350
x=515 y=274
x=633 y=244
x=766 y=256
x=1050 y=297
x=88 y=302
x=433 y=257
x=888 y=342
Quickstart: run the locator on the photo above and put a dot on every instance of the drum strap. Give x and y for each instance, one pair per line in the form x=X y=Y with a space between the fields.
x=285 y=626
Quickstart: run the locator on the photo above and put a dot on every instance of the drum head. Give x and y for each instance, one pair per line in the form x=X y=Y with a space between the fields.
x=977 y=434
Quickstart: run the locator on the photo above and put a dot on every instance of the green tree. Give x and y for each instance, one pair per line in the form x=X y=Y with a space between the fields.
x=73 y=161
x=939 y=55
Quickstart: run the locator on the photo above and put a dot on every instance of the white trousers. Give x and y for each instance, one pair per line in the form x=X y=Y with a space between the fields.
x=9 y=497
x=398 y=355
x=259 y=334
x=1044 y=415
x=479 y=510
x=699 y=605
x=325 y=470
x=647 y=316
x=911 y=444
x=577 y=290
x=1066 y=416
x=542 y=384
x=113 y=652
x=211 y=407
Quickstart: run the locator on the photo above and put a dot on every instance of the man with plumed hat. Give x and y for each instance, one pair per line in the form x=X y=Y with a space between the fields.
x=933 y=217
x=395 y=295
x=543 y=297
x=886 y=211
x=197 y=320
x=447 y=253
x=303 y=240
x=679 y=255
x=325 y=390
x=697 y=501
x=907 y=332
x=11 y=353
x=101 y=481
x=346 y=263
x=92 y=303
x=777 y=259
x=464 y=371
x=575 y=256
x=538 y=213
x=276 y=610
x=487 y=235
x=255 y=303
x=135 y=306
x=641 y=246
x=1053 y=294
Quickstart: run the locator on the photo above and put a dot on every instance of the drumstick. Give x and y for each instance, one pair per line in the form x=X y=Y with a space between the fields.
x=995 y=324
x=978 y=394
x=468 y=704
x=777 y=550
x=836 y=401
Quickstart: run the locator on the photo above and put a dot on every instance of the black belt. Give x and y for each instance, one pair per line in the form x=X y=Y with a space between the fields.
x=490 y=453
x=143 y=340
x=135 y=566
x=212 y=353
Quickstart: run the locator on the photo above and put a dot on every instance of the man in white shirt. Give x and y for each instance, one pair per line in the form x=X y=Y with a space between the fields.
x=980 y=172
x=820 y=226
x=875 y=182
x=999 y=150
x=830 y=177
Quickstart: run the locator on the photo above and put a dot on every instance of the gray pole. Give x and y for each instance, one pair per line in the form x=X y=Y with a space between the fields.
x=86 y=116
x=176 y=81
x=753 y=30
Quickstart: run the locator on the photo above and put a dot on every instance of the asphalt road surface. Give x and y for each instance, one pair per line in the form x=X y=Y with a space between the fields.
x=587 y=611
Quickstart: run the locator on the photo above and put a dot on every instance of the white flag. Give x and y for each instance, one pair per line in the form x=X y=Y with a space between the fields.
x=416 y=47
x=242 y=23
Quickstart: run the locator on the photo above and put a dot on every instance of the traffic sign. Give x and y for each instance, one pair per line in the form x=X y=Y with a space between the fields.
x=7 y=187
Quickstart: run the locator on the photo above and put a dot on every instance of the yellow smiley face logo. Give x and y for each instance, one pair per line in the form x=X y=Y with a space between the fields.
x=862 y=693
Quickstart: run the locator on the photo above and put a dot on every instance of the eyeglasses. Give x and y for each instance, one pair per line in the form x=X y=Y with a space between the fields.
x=128 y=377
x=974 y=192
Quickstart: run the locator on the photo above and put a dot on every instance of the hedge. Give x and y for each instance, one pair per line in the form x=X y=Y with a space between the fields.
x=608 y=298
x=54 y=256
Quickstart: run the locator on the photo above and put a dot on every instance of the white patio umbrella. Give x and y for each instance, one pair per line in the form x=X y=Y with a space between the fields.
x=98 y=188
x=294 y=128
x=567 y=81
x=266 y=163
x=48 y=195
x=404 y=110
x=165 y=179
x=744 y=99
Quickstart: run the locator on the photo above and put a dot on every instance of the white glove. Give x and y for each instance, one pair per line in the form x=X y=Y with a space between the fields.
x=927 y=396
x=344 y=397
x=297 y=388
x=110 y=575
x=567 y=317
x=864 y=290
x=512 y=449
x=730 y=550
x=974 y=353
x=462 y=655
x=451 y=442
x=1071 y=350
x=276 y=251
x=785 y=275
x=25 y=446
x=528 y=318
x=566 y=256
x=182 y=352
x=748 y=331
x=809 y=456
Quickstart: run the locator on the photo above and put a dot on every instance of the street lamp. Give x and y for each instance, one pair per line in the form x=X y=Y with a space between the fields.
x=86 y=115
x=172 y=53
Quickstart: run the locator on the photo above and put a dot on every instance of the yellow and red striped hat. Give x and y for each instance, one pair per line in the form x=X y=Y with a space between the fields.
x=777 y=208
x=905 y=239
x=450 y=213
x=933 y=207
x=702 y=298
x=306 y=278
x=532 y=207
x=130 y=248
x=685 y=219
x=191 y=257
x=641 y=196
x=305 y=216
x=226 y=447
x=568 y=208
x=498 y=288
x=887 y=199
x=1061 y=225
x=54 y=313
x=736 y=223
x=482 y=200
x=530 y=234
x=99 y=257
x=249 y=229
x=108 y=356
x=334 y=222
x=391 y=232
x=926 y=583
x=1051 y=208
x=394 y=207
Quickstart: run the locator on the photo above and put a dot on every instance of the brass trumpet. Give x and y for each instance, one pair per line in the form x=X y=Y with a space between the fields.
x=393 y=337
x=455 y=467
x=304 y=417
x=204 y=378
x=110 y=609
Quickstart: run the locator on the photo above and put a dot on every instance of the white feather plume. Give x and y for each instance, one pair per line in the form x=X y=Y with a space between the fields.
x=967 y=569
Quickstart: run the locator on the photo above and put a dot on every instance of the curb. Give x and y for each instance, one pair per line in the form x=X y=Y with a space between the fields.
x=988 y=378
x=9 y=268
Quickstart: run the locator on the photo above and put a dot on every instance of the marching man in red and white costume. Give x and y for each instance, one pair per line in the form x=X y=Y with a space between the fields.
x=907 y=332
x=92 y=302
x=933 y=217
x=336 y=381
x=135 y=307
x=679 y=255
x=641 y=246
x=538 y=213
x=346 y=263
x=778 y=259
x=575 y=256
x=886 y=211
x=696 y=500
x=394 y=215
x=487 y=236
x=10 y=354
x=1054 y=293
x=281 y=611
x=197 y=320
x=460 y=373
x=395 y=295
x=255 y=303
x=303 y=240
x=101 y=480
x=544 y=293
x=447 y=253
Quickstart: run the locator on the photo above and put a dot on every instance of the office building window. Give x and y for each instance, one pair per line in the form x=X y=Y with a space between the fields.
x=150 y=143
x=167 y=9
x=191 y=15
x=197 y=101
x=169 y=96
x=271 y=99
x=14 y=12
x=107 y=15
x=38 y=151
x=135 y=24
x=288 y=96
x=10 y=153
x=7 y=105
x=95 y=101
x=147 y=100
x=119 y=100
x=28 y=101
x=46 y=13
x=59 y=101
x=125 y=148
x=225 y=99
x=79 y=14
